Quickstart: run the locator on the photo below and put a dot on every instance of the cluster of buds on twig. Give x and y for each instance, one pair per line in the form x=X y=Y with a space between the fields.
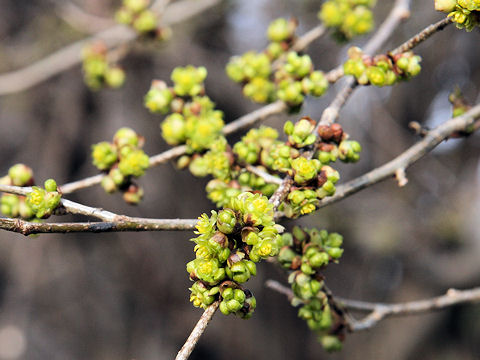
x=193 y=119
x=122 y=160
x=381 y=70
x=228 y=246
x=98 y=70
x=278 y=72
x=349 y=18
x=465 y=13
x=304 y=253
x=136 y=13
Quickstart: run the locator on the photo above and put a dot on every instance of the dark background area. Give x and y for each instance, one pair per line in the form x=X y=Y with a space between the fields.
x=124 y=296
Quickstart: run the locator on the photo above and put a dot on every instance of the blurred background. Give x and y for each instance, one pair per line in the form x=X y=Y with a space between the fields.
x=124 y=296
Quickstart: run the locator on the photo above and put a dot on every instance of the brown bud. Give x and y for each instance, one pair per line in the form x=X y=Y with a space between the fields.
x=325 y=132
x=337 y=132
x=321 y=178
x=220 y=238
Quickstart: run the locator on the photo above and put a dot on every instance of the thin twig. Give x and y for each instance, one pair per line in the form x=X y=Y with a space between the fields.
x=28 y=228
x=69 y=56
x=403 y=161
x=270 y=179
x=422 y=36
x=380 y=311
x=197 y=332
x=81 y=20
x=70 y=207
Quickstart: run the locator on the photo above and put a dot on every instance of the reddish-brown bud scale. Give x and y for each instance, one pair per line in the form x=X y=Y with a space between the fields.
x=325 y=132
x=321 y=178
x=337 y=132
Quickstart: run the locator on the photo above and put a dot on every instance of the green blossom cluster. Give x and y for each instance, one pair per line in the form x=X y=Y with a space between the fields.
x=381 y=70
x=193 y=119
x=305 y=252
x=122 y=160
x=15 y=205
x=349 y=18
x=278 y=72
x=465 y=13
x=335 y=145
x=42 y=201
x=136 y=14
x=228 y=246
x=98 y=71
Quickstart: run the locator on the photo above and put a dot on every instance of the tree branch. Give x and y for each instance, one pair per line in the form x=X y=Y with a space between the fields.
x=69 y=56
x=28 y=228
x=407 y=158
x=197 y=332
x=380 y=311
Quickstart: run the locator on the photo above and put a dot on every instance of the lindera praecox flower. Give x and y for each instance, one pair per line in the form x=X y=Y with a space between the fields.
x=304 y=253
x=98 y=71
x=122 y=161
x=348 y=18
x=278 y=72
x=15 y=205
x=465 y=13
x=228 y=246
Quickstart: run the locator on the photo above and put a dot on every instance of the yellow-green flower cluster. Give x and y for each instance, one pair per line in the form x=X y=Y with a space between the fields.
x=290 y=79
x=465 y=13
x=122 y=160
x=381 y=70
x=136 y=14
x=41 y=201
x=305 y=252
x=228 y=245
x=217 y=161
x=15 y=205
x=193 y=121
x=349 y=18
x=98 y=71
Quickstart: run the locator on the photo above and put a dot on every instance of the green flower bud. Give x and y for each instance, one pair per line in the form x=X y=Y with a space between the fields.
x=188 y=80
x=275 y=50
x=445 y=5
x=117 y=176
x=280 y=30
x=260 y=90
x=174 y=129
x=50 y=185
x=115 y=77
x=207 y=270
x=298 y=66
x=305 y=170
x=134 y=164
x=201 y=295
x=241 y=271
x=290 y=92
x=108 y=184
x=126 y=136
x=318 y=83
x=20 y=175
x=226 y=221
x=145 y=22
x=330 y=343
x=158 y=98
x=10 y=205
x=104 y=155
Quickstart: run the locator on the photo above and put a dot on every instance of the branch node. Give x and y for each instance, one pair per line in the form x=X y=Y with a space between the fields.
x=401 y=177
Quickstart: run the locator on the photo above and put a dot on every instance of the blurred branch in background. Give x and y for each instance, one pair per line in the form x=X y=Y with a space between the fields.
x=69 y=56
x=380 y=311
